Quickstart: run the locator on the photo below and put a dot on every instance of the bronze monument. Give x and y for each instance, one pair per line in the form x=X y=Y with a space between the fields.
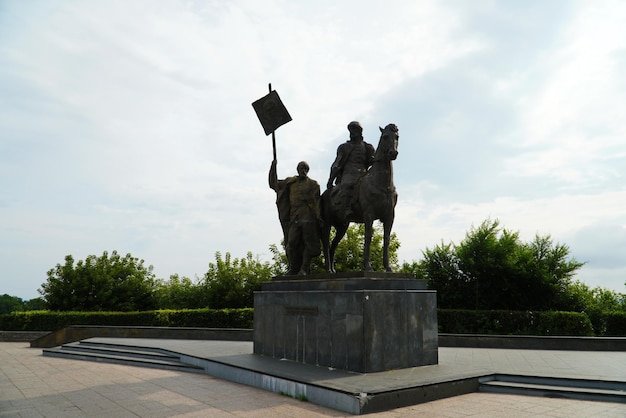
x=361 y=195
x=364 y=321
x=353 y=159
x=298 y=202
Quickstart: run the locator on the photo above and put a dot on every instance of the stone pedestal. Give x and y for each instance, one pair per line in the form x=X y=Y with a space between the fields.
x=366 y=322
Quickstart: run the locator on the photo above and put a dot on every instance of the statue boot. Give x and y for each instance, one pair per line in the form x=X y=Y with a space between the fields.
x=305 y=268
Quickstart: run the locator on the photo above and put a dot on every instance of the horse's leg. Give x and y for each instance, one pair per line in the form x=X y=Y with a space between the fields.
x=386 y=238
x=367 y=265
x=340 y=231
x=325 y=206
x=325 y=236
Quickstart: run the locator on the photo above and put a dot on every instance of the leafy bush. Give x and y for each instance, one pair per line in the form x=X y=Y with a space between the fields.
x=204 y=318
x=10 y=304
x=231 y=282
x=105 y=283
x=179 y=293
x=454 y=321
x=615 y=324
x=349 y=253
x=458 y=321
x=493 y=269
x=207 y=318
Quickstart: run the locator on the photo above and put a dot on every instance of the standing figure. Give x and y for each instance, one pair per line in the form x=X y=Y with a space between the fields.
x=298 y=202
x=353 y=159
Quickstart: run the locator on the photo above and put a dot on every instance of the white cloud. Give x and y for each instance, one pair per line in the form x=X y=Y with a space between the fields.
x=572 y=125
x=129 y=126
x=579 y=221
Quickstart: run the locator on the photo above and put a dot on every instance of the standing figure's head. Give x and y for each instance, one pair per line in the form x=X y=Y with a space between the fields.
x=356 y=131
x=303 y=169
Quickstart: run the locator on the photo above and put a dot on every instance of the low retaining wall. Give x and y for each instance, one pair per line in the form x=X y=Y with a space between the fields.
x=45 y=339
x=79 y=332
x=530 y=342
x=21 y=336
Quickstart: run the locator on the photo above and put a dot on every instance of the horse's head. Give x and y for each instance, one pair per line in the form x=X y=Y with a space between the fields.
x=388 y=144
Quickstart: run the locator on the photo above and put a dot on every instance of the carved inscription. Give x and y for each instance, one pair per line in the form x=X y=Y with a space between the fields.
x=301 y=310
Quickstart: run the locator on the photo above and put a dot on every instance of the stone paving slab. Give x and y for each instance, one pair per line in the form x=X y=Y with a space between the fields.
x=35 y=386
x=457 y=369
x=453 y=363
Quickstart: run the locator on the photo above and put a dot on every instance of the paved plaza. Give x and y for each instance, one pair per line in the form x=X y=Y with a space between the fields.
x=35 y=386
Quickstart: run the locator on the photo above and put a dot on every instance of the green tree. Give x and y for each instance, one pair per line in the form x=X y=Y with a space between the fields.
x=10 y=304
x=105 y=283
x=441 y=269
x=279 y=260
x=598 y=299
x=35 y=304
x=349 y=254
x=596 y=303
x=492 y=269
x=179 y=293
x=230 y=283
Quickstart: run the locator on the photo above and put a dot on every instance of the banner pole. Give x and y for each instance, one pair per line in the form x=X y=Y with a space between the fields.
x=273 y=132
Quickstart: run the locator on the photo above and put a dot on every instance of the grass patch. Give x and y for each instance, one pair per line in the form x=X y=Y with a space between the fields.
x=301 y=396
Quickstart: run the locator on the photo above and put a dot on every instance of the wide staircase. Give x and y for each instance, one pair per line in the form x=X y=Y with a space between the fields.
x=122 y=354
x=584 y=389
x=94 y=349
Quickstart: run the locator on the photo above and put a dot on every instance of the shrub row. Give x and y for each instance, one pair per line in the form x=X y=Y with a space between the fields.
x=203 y=318
x=452 y=321
x=609 y=324
x=457 y=321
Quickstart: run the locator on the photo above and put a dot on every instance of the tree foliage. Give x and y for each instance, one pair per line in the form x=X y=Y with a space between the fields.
x=492 y=269
x=231 y=282
x=10 y=304
x=35 y=304
x=105 y=283
x=599 y=299
x=179 y=293
x=349 y=254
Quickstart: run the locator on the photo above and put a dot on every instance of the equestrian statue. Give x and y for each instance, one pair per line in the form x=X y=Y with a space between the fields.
x=360 y=189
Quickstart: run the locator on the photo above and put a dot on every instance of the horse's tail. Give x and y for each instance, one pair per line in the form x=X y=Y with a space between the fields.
x=324 y=202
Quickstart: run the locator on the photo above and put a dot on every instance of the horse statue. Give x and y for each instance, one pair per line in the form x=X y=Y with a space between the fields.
x=374 y=198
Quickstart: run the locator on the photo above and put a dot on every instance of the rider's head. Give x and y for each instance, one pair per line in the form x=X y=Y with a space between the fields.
x=303 y=169
x=356 y=131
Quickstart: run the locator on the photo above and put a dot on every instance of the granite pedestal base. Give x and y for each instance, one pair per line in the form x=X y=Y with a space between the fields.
x=364 y=324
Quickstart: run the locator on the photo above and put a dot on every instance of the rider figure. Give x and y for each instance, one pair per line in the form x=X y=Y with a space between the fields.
x=354 y=157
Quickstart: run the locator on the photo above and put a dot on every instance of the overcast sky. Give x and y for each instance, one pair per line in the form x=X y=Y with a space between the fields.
x=128 y=125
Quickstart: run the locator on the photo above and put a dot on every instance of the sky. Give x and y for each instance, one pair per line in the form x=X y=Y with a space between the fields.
x=128 y=125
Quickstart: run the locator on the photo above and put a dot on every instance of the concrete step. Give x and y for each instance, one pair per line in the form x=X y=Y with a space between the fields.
x=594 y=390
x=111 y=353
x=110 y=349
